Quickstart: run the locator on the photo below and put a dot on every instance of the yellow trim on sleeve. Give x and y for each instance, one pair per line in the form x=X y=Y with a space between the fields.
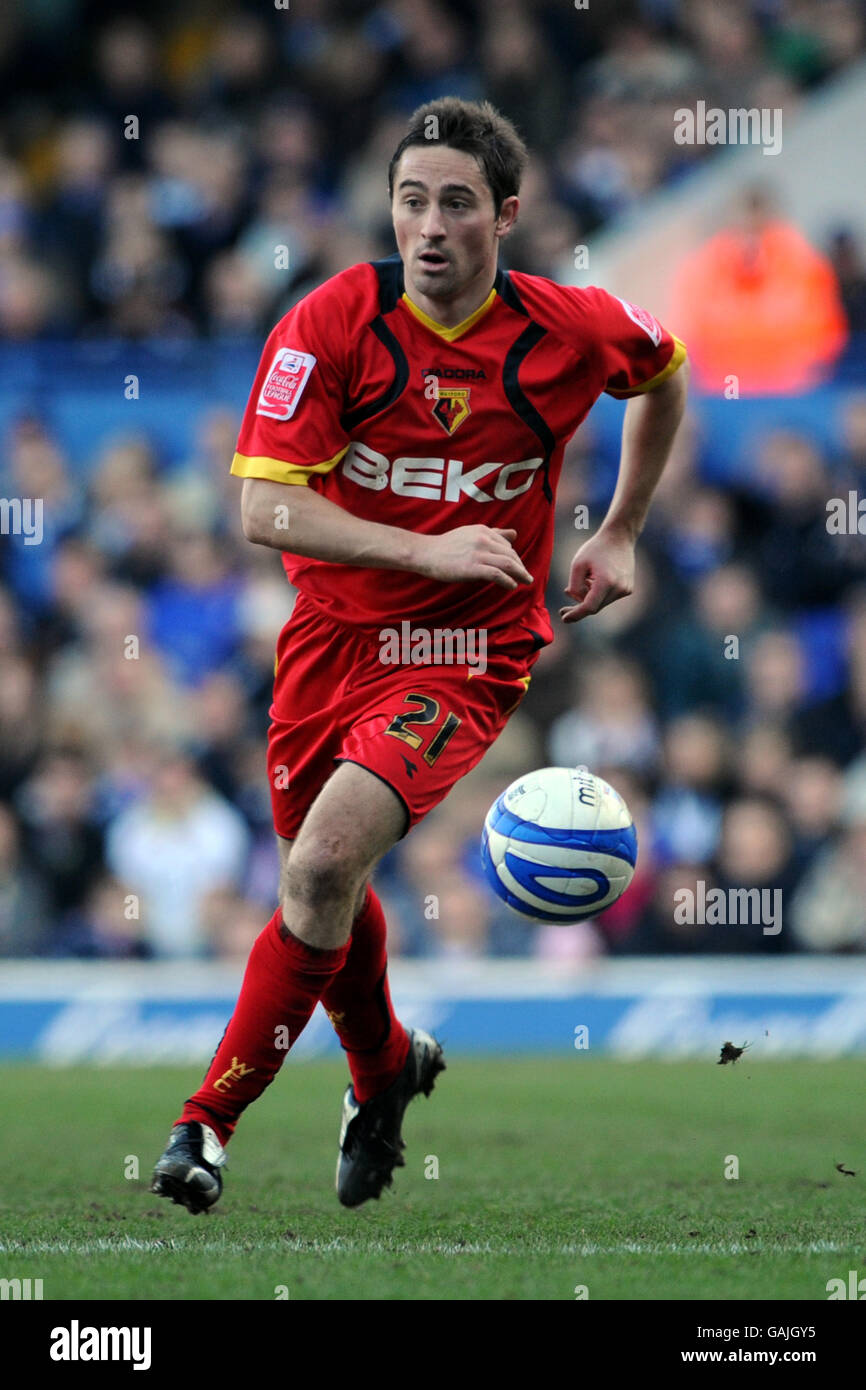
x=280 y=470
x=678 y=357
x=449 y=334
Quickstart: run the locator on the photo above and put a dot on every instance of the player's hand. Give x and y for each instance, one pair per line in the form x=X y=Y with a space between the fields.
x=601 y=571
x=472 y=552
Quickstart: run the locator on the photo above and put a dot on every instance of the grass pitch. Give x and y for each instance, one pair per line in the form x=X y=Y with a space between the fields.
x=552 y=1174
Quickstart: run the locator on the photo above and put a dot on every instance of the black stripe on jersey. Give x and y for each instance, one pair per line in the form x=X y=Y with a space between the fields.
x=520 y=403
x=351 y=418
x=507 y=293
x=390 y=274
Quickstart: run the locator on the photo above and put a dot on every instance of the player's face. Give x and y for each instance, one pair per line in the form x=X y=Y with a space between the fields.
x=447 y=230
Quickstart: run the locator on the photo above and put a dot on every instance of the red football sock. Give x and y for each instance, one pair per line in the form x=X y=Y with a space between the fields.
x=358 y=1003
x=283 y=982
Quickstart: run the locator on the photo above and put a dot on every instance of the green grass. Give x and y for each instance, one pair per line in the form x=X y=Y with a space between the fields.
x=552 y=1173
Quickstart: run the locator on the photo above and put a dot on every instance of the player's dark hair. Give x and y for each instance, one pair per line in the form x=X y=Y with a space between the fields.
x=480 y=130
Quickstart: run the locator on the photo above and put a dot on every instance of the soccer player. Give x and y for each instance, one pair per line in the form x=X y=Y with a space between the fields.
x=401 y=448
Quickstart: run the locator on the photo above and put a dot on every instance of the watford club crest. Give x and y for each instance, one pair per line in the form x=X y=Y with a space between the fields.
x=452 y=406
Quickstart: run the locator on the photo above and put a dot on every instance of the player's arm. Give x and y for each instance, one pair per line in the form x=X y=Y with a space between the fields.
x=603 y=569
x=651 y=422
x=303 y=522
x=641 y=362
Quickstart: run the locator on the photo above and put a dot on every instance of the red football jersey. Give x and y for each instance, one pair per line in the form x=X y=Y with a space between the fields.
x=397 y=419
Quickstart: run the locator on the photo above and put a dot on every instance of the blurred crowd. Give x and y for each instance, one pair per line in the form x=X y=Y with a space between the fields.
x=726 y=699
x=173 y=171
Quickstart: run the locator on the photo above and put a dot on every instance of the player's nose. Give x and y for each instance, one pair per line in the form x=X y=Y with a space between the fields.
x=432 y=228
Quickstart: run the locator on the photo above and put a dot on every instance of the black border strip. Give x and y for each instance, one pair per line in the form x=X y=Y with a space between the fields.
x=520 y=403
x=390 y=276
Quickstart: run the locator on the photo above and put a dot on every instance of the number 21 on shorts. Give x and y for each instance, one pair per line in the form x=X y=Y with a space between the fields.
x=425 y=712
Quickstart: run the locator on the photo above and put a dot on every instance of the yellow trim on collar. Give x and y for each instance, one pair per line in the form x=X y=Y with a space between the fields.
x=449 y=334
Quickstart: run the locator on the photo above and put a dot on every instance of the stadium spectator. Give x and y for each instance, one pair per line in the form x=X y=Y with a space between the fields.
x=812 y=792
x=62 y=835
x=112 y=685
x=130 y=519
x=763 y=758
x=192 y=612
x=829 y=910
x=755 y=856
x=21 y=721
x=25 y=910
x=664 y=930
x=759 y=306
x=180 y=843
x=850 y=467
x=70 y=218
x=846 y=257
x=460 y=929
x=230 y=925
x=199 y=491
x=686 y=815
x=611 y=723
x=106 y=926
x=800 y=563
x=37 y=470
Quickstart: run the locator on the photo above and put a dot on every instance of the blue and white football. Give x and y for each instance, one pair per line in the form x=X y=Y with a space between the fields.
x=559 y=845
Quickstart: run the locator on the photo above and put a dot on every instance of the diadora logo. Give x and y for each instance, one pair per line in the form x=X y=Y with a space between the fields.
x=455 y=373
x=439 y=479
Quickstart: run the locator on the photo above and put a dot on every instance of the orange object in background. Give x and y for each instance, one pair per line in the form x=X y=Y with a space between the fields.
x=758 y=302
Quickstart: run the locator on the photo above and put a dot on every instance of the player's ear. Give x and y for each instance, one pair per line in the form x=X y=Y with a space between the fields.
x=507 y=215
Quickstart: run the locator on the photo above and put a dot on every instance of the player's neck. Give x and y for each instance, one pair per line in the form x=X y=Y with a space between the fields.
x=448 y=313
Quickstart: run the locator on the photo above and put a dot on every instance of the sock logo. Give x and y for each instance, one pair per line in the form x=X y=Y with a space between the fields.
x=236 y=1071
x=336 y=1017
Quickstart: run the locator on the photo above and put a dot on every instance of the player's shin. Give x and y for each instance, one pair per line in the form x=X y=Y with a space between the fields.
x=358 y=1003
x=283 y=982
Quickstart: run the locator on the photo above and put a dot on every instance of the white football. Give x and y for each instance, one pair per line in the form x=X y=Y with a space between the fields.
x=559 y=845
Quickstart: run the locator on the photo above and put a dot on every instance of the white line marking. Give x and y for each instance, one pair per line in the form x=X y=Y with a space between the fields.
x=355 y=1246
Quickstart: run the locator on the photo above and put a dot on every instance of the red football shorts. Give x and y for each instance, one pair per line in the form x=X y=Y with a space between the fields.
x=419 y=728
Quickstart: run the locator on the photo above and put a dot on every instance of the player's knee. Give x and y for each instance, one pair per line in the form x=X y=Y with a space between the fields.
x=318 y=877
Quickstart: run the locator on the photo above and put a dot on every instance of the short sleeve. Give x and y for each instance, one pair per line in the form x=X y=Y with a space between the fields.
x=637 y=353
x=291 y=429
